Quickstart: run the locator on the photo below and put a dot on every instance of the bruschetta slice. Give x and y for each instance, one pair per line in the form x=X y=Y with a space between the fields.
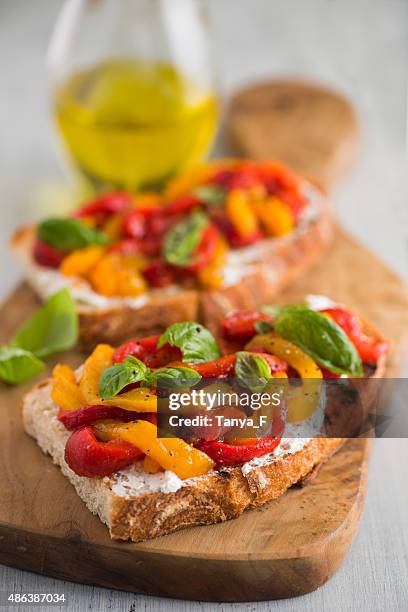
x=227 y=235
x=99 y=423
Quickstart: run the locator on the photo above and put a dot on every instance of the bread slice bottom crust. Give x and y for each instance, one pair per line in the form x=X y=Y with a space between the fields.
x=217 y=496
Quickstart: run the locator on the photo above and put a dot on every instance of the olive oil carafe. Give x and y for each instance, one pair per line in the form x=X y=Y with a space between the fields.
x=132 y=89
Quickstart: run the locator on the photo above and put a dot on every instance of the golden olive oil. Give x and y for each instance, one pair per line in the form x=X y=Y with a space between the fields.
x=133 y=124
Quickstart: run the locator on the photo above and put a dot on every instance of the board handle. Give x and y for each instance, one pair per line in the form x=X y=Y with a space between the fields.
x=308 y=127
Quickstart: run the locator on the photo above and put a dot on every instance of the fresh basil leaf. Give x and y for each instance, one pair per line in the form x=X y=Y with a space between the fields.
x=52 y=328
x=196 y=343
x=117 y=377
x=319 y=337
x=252 y=371
x=264 y=327
x=18 y=365
x=69 y=234
x=212 y=195
x=271 y=310
x=181 y=242
x=173 y=377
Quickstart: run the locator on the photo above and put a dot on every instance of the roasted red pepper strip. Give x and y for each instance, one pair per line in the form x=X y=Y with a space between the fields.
x=159 y=274
x=369 y=348
x=146 y=350
x=238 y=241
x=46 y=255
x=86 y=456
x=241 y=325
x=106 y=204
x=224 y=454
x=134 y=224
x=212 y=369
x=91 y=414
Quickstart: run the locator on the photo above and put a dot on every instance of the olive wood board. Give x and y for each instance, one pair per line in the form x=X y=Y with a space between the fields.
x=286 y=548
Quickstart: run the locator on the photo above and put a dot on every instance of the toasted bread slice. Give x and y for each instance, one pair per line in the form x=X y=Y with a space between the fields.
x=252 y=276
x=139 y=506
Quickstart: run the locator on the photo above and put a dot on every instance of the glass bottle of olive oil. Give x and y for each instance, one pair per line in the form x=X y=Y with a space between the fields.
x=146 y=109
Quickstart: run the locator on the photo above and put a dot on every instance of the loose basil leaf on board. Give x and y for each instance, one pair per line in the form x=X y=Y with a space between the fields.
x=196 y=343
x=53 y=328
x=18 y=365
x=319 y=337
x=181 y=242
x=173 y=377
x=264 y=327
x=117 y=377
x=252 y=371
x=212 y=195
x=69 y=234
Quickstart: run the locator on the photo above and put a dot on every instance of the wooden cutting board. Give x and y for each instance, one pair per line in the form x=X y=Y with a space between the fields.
x=286 y=548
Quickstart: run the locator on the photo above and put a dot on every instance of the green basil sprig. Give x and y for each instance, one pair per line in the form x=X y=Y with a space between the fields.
x=211 y=195
x=173 y=377
x=263 y=327
x=53 y=328
x=117 y=377
x=131 y=370
x=181 y=242
x=196 y=343
x=69 y=234
x=319 y=337
x=252 y=371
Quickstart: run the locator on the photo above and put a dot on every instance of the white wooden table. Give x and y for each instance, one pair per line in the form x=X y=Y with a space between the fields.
x=358 y=46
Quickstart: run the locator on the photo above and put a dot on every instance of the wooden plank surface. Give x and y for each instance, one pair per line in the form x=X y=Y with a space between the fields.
x=315 y=524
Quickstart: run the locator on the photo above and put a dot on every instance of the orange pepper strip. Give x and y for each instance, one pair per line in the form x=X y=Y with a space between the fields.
x=65 y=390
x=170 y=453
x=275 y=216
x=138 y=400
x=189 y=180
x=113 y=226
x=239 y=212
x=82 y=261
x=211 y=276
x=151 y=466
x=104 y=275
x=96 y=363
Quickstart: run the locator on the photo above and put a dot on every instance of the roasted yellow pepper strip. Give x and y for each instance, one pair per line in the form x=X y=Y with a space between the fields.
x=211 y=277
x=170 y=453
x=292 y=354
x=82 y=261
x=275 y=216
x=140 y=400
x=113 y=226
x=240 y=214
x=96 y=363
x=116 y=274
x=189 y=180
x=65 y=390
x=151 y=466
x=303 y=400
